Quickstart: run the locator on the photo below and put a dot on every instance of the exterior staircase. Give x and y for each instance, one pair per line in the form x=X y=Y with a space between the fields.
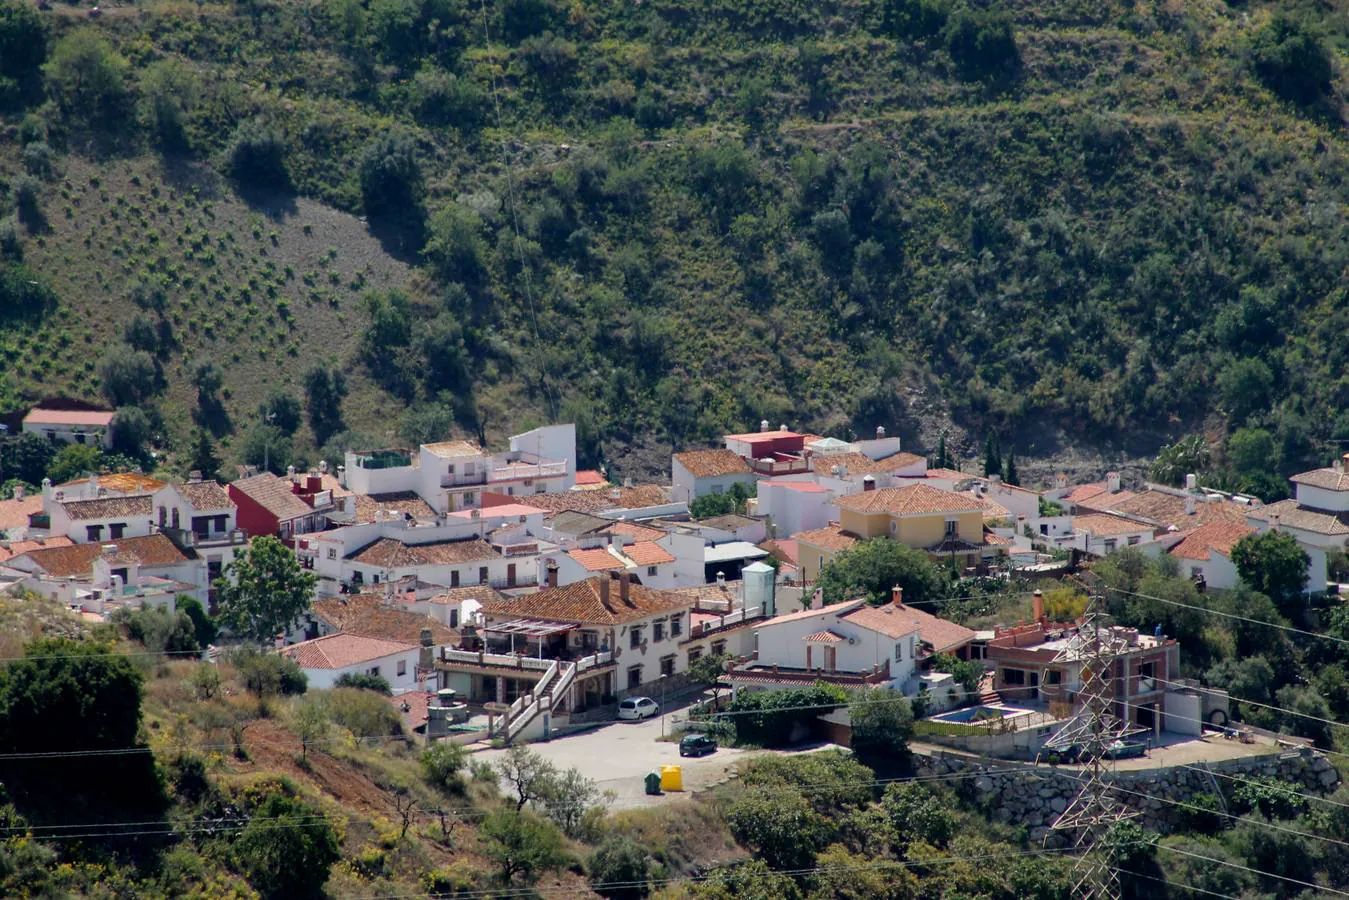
x=986 y=693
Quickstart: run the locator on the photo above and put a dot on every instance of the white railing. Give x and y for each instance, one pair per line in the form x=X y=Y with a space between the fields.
x=559 y=691
x=729 y=619
x=495 y=659
x=538 y=470
x=598 y=659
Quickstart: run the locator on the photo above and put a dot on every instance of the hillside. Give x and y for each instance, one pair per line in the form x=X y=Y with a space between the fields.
x=1088 y=227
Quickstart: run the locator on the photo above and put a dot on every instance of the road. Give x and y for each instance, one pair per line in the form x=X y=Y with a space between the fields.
x=619 y=755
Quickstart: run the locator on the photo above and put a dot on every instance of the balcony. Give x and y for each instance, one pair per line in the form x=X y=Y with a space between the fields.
x=772 y=467
x=185 y=538
x=453 y=659
x=517 y=471
x=754 y=672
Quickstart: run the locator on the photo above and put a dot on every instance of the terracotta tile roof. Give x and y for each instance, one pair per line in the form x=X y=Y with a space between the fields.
x=596 y=560
x=786 y=550
x=18 y=548
x=1303 y=517
x=896 y=620
x=949 y=474
x=648 y=553
x=204 y=495
x=85 y=417
x=589 y=477
x=456 y=596
x=861 y=464
x=823 y=637
x=635 y=497
x=77 y=560
x=711 y=463
x=1084 y=492
x=634 y=531
x=838 y=609
x=388 y=553
x=15 y=513
x=831 y=537
x=369 y=616
x=404 y=502
x=119 y=483
x=1215 y=537
x=1104 y=524
x=411 y=707
x=109 y=508
x=1105 y=501
x=572 y=521
x=713 y=595
x=915 y=499
x=995 y=540
x=993 y=510
x=1327 y=479
x=758 y=437
x=452 y=449
x=273 y=494
x=581 y=602
x=1169 y=509
x=803 y=487
x=341 y=651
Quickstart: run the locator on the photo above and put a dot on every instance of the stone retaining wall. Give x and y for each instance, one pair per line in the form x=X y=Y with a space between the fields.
x=1026 y=794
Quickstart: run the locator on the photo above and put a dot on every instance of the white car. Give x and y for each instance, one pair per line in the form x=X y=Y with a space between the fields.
x=638 y=708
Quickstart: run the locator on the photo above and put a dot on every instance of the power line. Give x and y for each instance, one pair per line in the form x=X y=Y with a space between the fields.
x=1261 y=872
x=1186 y=887
x=1234 y=616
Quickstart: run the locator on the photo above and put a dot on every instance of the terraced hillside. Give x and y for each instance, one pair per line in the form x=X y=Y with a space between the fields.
x=1080 y=225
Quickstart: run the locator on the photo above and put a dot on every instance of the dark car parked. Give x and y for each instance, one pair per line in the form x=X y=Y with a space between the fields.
x=697 y=745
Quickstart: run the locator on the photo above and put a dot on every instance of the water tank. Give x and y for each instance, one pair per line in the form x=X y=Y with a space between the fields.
x=759 y=580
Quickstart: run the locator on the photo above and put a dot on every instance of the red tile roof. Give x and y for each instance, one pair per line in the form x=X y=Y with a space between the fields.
x=401 y=502
x=85 y=417
x=77 y=560
x=831 y=537
x=1084 y=492
x=388 y=553
x=648 y=553
x=1328 y=479
x=274 y=495
x=587 y=477
x=758 y=437
x=15 y=513
x=1104 y=524
x=341 y=651
x=368 y=615
x=861 y=464
x=711 y=463
x=887 y=620
x=597 y=559
x=915 y=499
x=1214 y=537
x=203 y=495
x=119 y=483
x=804 y=487
x=634 y=531
x=582 y=602
x=787 y=550
x=18 y=548
x=109 y=508
x=838 y=609
x=823 y=637
x=937 y=632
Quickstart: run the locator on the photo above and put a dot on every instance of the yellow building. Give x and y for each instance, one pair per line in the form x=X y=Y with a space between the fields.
x=943 y=523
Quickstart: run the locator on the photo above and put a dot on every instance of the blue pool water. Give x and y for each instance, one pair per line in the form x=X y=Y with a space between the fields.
x=977 y=713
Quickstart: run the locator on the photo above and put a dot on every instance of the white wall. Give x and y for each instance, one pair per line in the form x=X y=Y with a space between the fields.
x=780 y=643
x=388 y=669
x=880 y=448
x=550 y=442
x=1320 y=498
x=94 y=435
x=379 y=481
x=687 y=549
x=793 y=511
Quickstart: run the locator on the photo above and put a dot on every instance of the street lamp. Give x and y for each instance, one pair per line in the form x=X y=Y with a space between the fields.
x=662 y=705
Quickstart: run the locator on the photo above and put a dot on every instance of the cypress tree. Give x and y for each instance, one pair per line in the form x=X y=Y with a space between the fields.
x=992 y=461
x=1010 y=474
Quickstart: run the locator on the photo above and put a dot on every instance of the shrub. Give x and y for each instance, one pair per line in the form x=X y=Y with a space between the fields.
x=391 y=177
x=981 y=43
x=780 y=826
x=522 y=845
x=159 y=630
x=619 y=869
x=130 y=431
x=366 y=682
x=1291 y=60
x=257 y=156
x=916 y=814
x=439 y=98
x=128 y=377
x=23 y=41
x=914 y=18
x=364 y=713
x=37 y=160
x=28 y=200
x=443 y=764
x=88 y=78
x=769 y=718
x=266 y=674
x=287 y=849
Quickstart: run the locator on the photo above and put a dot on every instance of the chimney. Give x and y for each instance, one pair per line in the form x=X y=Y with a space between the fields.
x=109 y=550
x=625 y=587
x=1112 y=482
x=1037 y=607
x=425 y=658
x=1061 y=480
x=1274 y=522
x=782 y=427
x=93 y=485
x=604 y=592
x=627 y=482
x=835 y=471
x=1344 y=461
x=342 y=475
x=1189 y=506
x=721 y=579
x=46 y=489
x=323 y=467
x=763 y=424
x=18 y=491
x=897 y=595
x=550 y=574
x=880 y=432
x=869 y=483
x=1191 y=482
x=194 y=477
x=290 y=472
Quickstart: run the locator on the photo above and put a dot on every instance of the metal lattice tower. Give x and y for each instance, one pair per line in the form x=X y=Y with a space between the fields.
x=1092 y=731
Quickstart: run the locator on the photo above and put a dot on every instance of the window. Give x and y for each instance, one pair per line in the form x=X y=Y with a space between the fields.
x=676 y=626
x=1196 y=571
x=116 y=530
x=470 y=498
x=79 y=438
x=1134 y=539
x=51 y=435
x=541 y=488
x=454 y=618
x=454 y=578
x=634 y=677
x=374 y=670
x=590 y=640
x=510 y=490
x=332 y=553
x=482 y=574
x=636 y=637
x=899 y=652
x=375 y=580
x=951 y=527
x=163 y=516
x=1110 y=545
x=657 y=632
x=94 y=533
x=650 y=570
x=694 y=655
x=1053 y=676
x=468 y=468
x=667 y=665
x=717 y=489
x=1146 y=673
x=402 y=667
x=1013 y=676
x=719 y=647
x=529 y=482
x=894 y=526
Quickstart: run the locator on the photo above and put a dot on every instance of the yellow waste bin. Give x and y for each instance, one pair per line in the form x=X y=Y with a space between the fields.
x=671 y=778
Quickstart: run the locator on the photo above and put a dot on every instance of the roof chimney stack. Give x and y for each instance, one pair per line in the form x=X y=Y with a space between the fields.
x=1191 y=482
x=1189 y=506
x=763 y=424
x=1112 y=482
x=1344 y=461
x=897 y=595
x=290 y=472
x=18 y=491
x=550 y=574
x=323 y=466
x=604 y=591
x=1037 y=607
x=194 y=477
x=625 y=587
x=880 y=432
x=782 y=427
x=869 y=483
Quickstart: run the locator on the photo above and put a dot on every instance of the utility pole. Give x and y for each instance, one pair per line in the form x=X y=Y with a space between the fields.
x=1091 y=732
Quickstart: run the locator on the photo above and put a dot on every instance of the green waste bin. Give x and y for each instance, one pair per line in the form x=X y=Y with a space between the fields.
x=653 y=783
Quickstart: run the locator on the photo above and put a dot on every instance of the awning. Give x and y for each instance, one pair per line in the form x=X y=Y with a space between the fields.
x=528 y=627
x=823 y=637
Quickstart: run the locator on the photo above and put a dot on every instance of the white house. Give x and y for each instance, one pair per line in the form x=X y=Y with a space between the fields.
x=200 y=515
x=695 y=473
x=326 y=659
x=71 y=426
x=90 y=519
x=1101 y=534
x=793 y=505
x=1206 y=553
x=117 y=569
x=848 y=643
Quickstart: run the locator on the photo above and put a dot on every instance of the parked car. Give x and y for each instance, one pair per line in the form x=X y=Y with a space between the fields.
x=697 y=745
x=638 y=708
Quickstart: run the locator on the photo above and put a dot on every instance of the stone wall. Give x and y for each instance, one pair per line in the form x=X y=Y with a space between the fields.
x=1026 y=794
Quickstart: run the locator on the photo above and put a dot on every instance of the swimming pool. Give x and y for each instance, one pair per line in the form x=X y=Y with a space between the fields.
x=973 y=715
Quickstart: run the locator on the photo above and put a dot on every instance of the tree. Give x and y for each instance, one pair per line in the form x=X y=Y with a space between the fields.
x=779 y=826
x=391 y=177
x=521 y=844
x=1009 y=472
x=287 y=848
x=26 y=457
x=1291 y=61
x=74 y=461
x=708 y=670
x=841 y=875
x=169 y=91
x=872 y=567
x=1245 y=387
x=982 y=43
x=454 y=244
x=882 y=725
x=311 y=723
x=439 y=98
x=130 y=431
x=257 y=156
x=568 y=797
x=992 y=461
x=87 y=77
x=1251 y=450
x=268 y=448
x=204 y=459
x=914 y=18
x=268 y=674
x=425 y=423
x=128 y=377
x=23 y=42
x=159 y=630
x=265 y=591
x=1272 y=563
x=325 y=388
x=528 y=774
x=442 y=764
x=917 y=814
x=281 y=410
x=619 y=869
x=752 y=880
x=942 y=460
x=366 y=682
x=203 y=626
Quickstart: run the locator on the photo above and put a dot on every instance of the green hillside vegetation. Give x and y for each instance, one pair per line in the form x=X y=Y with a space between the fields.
x=1070 y=223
